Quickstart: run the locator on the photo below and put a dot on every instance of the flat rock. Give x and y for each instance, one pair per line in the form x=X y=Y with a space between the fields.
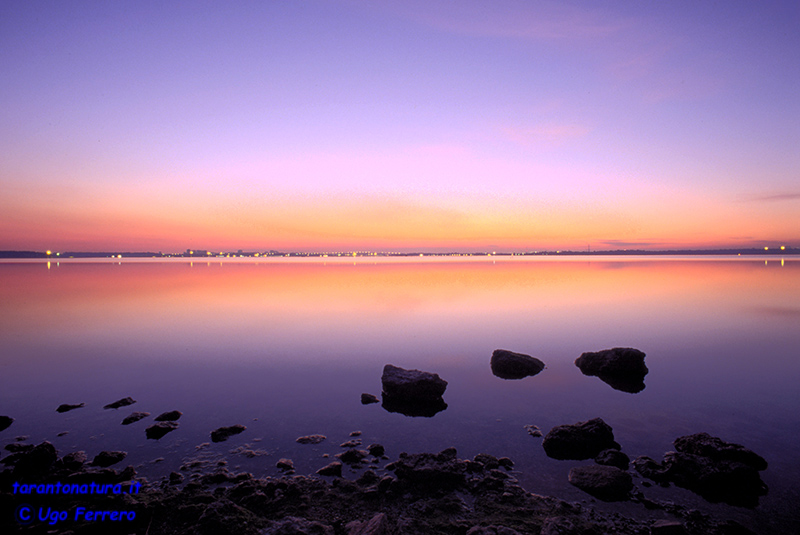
x=607 y=483
x=583 y=440
x=285 y=464
x=411 y=385
x=223 y=433
x=352 y=456
x=64 y=407
x=107 y=458
x=332 y=469
x=366 y=399
x=717 y=449
x=431 y=471
x=124 y=402
x=5 y=421
x=311 y=439
x=613 y=457
x=169 y=416
x=156 y=431
x=509 y=365
x=134 y=417
x=622 y=368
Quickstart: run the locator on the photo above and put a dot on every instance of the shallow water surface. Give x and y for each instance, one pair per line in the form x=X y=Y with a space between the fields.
x=286 y=348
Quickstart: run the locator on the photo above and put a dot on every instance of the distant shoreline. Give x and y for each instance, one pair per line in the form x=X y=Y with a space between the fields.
x=201 y=255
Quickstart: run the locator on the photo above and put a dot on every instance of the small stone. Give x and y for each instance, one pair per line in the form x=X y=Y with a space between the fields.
x=311 y=439
x=509 y=365
x=285 y=464
x=6 y=421
x=134 y=417
x=355 y=434
x=64 y=407
x=105 y=459
x=533 y=430
x=223 y=433
x=350 y=443
x=169 y=416
x=332 y=469
x=613 y=457
x=124 y=402
x=376 y=450
x=607 y=483
x=366 y=399
x=156 y=431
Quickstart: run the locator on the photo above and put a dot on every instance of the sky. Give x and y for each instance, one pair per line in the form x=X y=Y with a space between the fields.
x=399 y=125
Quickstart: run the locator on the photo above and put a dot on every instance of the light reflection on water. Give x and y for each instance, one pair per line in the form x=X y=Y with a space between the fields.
x=287 y=348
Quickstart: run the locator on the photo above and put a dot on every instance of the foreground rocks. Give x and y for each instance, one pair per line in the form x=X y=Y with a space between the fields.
x=622 y=368
x=422 y=493
x=606 y=483
x=509 y=365
x=156 y=431
x=412 y=392
x=716 y=470
x=583 y=440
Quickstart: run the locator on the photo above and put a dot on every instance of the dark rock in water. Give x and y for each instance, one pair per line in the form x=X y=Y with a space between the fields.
x=62 y=433
x=423 y=408
x=297 y=526
x=430 y=471
x=285 y=464
x=607 y=483
x=352 y=456
x=411 y=385
x=223 y=433
x=6 y=421
x=74 y=461
x=721 y=472
x=613 y=458
x=533 y=430
x=332 y=469
x=509 y=365
x=36 y=462
x=583 y=440
x=16 y=448
x=156 y=431
x=366 y=399
x=134 y=417
x=376 y=450
x=622 y=368
x=719 y=450
x=64 y=407
x=124 y=402
x=169 y=416
x=311 y=439
x=352 y=443
x=107 y=458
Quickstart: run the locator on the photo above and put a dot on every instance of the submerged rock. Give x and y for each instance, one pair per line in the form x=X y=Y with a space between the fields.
x=5 y=421
x=509 y=365
x=411 y=385
x=332 y=469
x=622 y=368
x=134 y=417
x=124 y=402
x=366 y=399
x=64 y=407
x=414 y=408
x=607 y=483
x=613 y=458
x=105 y=459
x=432 y=471
x=156 y=431
x=223 y=433
x=169 y=416
x=716 y=470
x=583 y=440
x=311 y=439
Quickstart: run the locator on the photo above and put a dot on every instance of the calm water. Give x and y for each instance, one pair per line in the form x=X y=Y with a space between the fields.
x=286 y=348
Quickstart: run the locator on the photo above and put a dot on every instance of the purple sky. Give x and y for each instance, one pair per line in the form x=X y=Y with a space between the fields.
x=397 y=125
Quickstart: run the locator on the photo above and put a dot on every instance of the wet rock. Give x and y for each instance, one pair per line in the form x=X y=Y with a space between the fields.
x=717 y=449
x=607 y=483
x=169 y=416
x=105 y=459
x=351 y=443
x=311 y=439
x=297 y=526
x=352 y=456
x=62 y=433
x=156 y=431
x=16 y=448
x=36 y=462
x=719 y=472
x=223 y=433
x=134 y=417
x=64 y=407
x=411 y=386
x=583 y=440
x=533 y=430
x=74 y=461
x=332 y=469
x=613 y=458
x=509 y=365
x=377 y=525
x=285 y=464
x=366 y=399
x=6 y=421
x=425 y=409
x=622 y=368
x=430 y=471
x=124 y=402
x=175 y=478
x=376 y=450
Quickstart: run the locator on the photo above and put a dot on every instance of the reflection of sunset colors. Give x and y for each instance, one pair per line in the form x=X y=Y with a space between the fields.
x=399 y=126
x=273 y=310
